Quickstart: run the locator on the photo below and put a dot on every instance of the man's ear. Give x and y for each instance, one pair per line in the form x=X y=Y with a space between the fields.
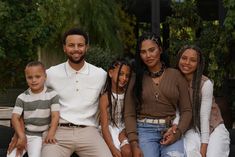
x=87 y=47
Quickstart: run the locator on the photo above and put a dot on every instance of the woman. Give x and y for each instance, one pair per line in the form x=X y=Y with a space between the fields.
x=152 y=97
x=209 y=138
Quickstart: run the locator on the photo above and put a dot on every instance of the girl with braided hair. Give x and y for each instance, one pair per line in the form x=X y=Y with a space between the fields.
x=111 y=108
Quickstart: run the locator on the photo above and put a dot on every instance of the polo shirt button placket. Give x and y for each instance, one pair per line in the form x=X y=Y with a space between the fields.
x=77 y=83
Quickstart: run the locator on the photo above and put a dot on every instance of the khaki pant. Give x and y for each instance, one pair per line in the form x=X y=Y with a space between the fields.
x=86 y=142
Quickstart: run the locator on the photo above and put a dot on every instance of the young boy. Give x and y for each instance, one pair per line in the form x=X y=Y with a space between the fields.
x=39 y=107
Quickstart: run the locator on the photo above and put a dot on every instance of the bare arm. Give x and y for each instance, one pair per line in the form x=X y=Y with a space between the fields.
x=104 y=119
x=17 y=123
x=14 y=140
x=54 y=123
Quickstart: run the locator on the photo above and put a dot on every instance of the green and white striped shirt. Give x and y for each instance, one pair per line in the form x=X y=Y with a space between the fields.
x=36 y=109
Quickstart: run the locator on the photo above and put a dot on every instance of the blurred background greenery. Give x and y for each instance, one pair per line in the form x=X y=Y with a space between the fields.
x=32 y=30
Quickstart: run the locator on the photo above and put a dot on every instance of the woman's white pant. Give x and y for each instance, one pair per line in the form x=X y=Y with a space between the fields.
x=34 y=146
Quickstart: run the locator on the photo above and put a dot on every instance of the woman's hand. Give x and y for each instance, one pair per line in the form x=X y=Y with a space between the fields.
x=171 y=135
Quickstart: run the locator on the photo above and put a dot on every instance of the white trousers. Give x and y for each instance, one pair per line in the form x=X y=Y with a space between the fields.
x=114 y=131
x=34 y=146
x=218 y=145
x=219 y=141
x=192 y=143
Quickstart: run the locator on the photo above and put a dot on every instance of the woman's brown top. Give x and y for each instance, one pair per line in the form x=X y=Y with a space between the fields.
x=159 y=101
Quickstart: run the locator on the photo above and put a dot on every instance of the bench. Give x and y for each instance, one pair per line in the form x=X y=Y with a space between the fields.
x=7 y=132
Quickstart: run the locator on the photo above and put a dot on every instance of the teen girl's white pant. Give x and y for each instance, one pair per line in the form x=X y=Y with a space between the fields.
x=218 y=145
x=219 y=141
x=34 y=146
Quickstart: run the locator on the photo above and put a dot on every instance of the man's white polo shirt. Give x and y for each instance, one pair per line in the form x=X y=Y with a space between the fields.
x=78 y=90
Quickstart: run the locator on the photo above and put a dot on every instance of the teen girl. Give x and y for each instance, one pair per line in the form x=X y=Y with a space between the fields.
x=111 y=108
x=209 y=138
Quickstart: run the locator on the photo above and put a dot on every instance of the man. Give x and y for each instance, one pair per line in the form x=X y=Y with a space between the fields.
x=78 y=84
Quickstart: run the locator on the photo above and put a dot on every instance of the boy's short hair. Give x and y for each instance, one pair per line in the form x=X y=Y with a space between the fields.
x=35 y=63
x=75 y=31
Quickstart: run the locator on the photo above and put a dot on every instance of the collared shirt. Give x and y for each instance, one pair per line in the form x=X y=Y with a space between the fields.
x=79 y=91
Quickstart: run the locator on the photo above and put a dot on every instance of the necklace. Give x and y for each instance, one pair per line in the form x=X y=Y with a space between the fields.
x=158 y=73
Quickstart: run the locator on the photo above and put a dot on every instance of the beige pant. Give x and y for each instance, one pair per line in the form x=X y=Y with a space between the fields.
x=86 y=142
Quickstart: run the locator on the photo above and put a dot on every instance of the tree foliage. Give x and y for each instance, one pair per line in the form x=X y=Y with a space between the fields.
x=184 y=23
x=25 y=25
x=186 y=27
x=29 y=27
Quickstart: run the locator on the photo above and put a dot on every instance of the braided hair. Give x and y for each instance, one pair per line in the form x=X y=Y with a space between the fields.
x=108 y=86
x=140 y=67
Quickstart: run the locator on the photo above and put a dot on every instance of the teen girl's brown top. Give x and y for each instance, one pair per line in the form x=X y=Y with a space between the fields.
x=215 y=116
x=159 y=101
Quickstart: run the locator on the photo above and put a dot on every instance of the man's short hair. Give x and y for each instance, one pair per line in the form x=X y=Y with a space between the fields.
x=75 y=31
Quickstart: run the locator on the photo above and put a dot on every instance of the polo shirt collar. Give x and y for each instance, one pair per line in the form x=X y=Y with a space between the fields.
x=70 y=71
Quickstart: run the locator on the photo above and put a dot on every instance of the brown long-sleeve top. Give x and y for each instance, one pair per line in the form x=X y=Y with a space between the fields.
x=159 y=101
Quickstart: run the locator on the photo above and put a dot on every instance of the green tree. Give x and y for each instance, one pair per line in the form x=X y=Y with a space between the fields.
x=29 y=28
x=25 y=25
x=186 y=27
x=109 y=26
x=184 y=23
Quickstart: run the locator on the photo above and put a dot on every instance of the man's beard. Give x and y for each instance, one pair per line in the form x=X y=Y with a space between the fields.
x=76 y=61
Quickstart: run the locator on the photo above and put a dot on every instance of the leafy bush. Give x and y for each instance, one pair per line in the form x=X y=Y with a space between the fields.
x=100 y=57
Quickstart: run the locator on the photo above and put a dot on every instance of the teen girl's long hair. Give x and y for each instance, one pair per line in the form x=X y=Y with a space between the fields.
x=140 y=67
x=196 y=82
x=108 y=86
